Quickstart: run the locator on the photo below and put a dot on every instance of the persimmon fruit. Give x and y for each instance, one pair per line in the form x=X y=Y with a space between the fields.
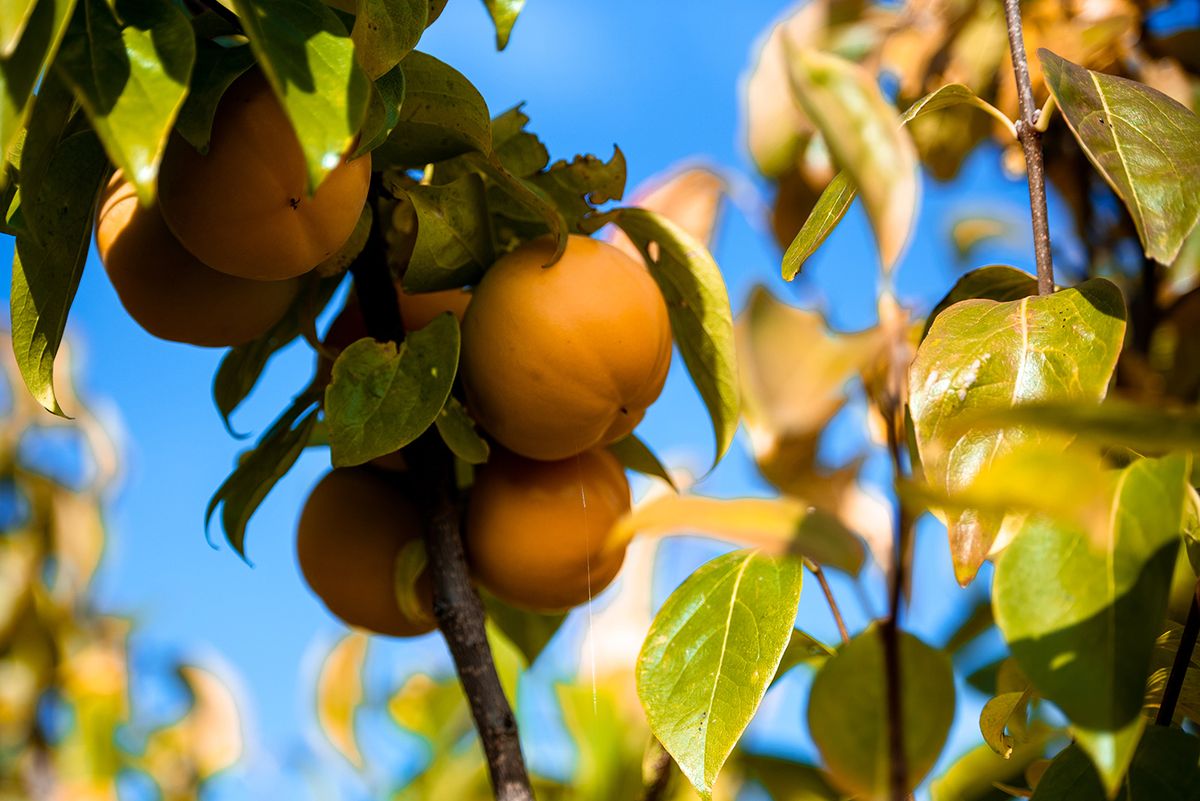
x=243 y=207
x=168 y=291
x=355 y=526
x=560 y=359
x=538 y=532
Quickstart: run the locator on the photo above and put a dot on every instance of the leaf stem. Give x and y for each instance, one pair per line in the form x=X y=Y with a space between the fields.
x=1046 y=114
x=1179 y=668
x=456 y=605
x=819 y=572
x=1031 y=142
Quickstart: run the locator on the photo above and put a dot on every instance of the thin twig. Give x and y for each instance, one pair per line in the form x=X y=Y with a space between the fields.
x=1179 y=668
x=456 y=605
x=890 y=628
x=819 y=572
x=1031 y=143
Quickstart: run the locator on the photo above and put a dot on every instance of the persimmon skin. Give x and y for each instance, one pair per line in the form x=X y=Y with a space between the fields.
x=560 y=359
x=354 y=525
x=167 y=290
x=244 y=208
x=538 y=533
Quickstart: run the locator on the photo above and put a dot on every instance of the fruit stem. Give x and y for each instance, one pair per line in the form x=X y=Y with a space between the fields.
x=819 y=572
x=455 y=604
x=1031 y=142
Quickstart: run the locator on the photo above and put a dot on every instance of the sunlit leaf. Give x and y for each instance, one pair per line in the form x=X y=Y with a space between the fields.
x=712 y=651
x=529 y=632
x=504 y=15
x=1142 y=142
x=636 y=455
x=1081 y=617
x=777 y=525
x=340 y=693
x=385 y=31
x=803 y=649
x=14 y=16
x=131 y=81
x=690 y=197
x=994 y=718
x=22 y=68
x=326 y=100
x=382 y=397
x=982 y=354
x=847 y=712
x=973 y=777
x=831 y=207
x=995 y=282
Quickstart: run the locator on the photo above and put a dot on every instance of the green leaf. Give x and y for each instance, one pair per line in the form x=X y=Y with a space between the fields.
x=383 y=397
x=340 y=694
x=131 y=81
x=443 y=116
x=1142 y=142
x=1163 y=769
x=995 y=282
x=847 y=712
x=308 y=57
x=636 y=455
x=458 y=432
x=786 y=780
x=710 y=655
x=259 y=469
x=504 y=15
x=1081 y=616
x=454 y=242
x=975 y=624
x=698 y=305
x=954 y=94
x=982 y=354
x=46 y=269
x=829 y=210
x=14 y=16
x=385 y=31
x=216 y=68
x=576 y=186
x=383 y=110
x=520 y=151
x=529 y=198
x=973 y=777
x=864 y=135
x=49 y=120
x=23 y=67
x=529 y=632
x=995 y=716
x=803 y=649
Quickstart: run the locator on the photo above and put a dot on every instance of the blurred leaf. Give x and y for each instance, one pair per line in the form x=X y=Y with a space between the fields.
x=458 y=432
x=382 y=397
x=1141 y=141
x=847 y=712
x=690 y=197
x=454 y=244
x=46 y=274
x=131 y=81
x=608 y=748
x=433 y=709
x=698 y=305
x=258 y=470
x=974 y=775
x=636 y=455
x=711 y=653
x=978 y=621
x=209 y=736
x=443 y=116
x=504 y=15
x=509 y=661
x=803 y=649
x=22 y=68
x=863 y=133
x=1165 y=768
x=385 y=31
x=970 y=232
x=340 y=693
x=326 y=100
x=994 y=719
x=529 y=632
x=995 y=282
x=982 y=354
x=1162 y=662
x=778 y=525
x=1082 y=621
x=14 y=16
x=831 y=207
x=216 y=68
x=786 y=780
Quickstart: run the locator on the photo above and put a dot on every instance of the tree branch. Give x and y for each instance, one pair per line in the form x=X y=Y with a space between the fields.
x=819 y=572
x=1179 y=668
x=890 y=628
x=1031 y=142
x=456 y=605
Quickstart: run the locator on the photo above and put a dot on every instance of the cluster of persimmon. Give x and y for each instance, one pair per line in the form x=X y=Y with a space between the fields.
x=558 y=362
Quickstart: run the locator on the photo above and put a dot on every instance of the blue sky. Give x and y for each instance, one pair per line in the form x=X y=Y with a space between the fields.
x=661 y=80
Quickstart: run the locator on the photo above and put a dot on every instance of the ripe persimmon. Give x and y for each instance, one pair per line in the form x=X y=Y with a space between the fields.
x=244 y=208
x=356 y=529
x=167 y=290
x=538 y=533
x=559 y=359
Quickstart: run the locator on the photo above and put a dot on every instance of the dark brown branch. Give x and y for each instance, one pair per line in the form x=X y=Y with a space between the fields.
x=659 y=775
x=890 y=628
x=1031 y=143
x=456 y=605
x=819 y=572
x=1179 y=668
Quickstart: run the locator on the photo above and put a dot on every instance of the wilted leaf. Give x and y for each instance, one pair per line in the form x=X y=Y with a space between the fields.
x=847 y=712
x=216 y=68
x=22 y=68
x=326 y=100
x=385 y=31
x=982 y=354
x=340 y=692
x=1142 y=142
x=712 y=651
x=454 y=243
x=777 y=525
x=130 y=81
x=698 y=305
x=1081 y=619
x=636 y=455
x=504 y=16
x=382 y=397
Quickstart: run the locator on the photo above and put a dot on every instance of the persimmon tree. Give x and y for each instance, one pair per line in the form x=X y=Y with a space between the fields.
x=1044 y=420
